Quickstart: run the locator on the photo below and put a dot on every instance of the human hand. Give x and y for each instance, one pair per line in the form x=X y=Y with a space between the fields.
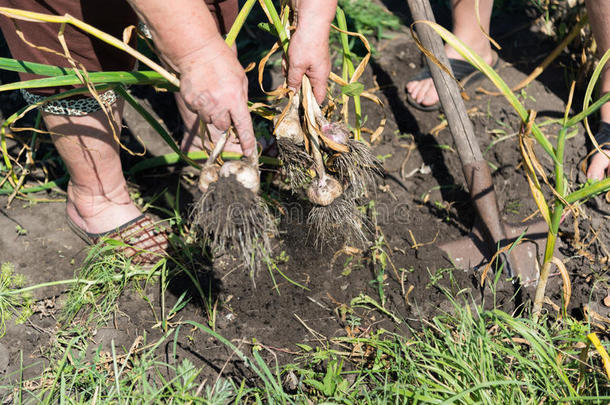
x=214 y=85
x=599 y=167
x=309 y=55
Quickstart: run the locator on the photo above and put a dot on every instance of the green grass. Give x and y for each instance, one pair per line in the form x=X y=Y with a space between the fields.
x=466 y=357
x=369 y=18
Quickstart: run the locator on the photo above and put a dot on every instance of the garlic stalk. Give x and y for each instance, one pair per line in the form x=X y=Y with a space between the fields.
x=324 y=189
x=209 y=171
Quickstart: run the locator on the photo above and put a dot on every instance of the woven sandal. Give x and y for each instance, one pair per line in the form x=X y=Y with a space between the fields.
x=463 y=71
x=146 y=242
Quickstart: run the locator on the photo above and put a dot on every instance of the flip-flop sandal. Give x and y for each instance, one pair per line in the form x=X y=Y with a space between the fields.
x=463 y=71
x=146 y=241
x=602 y=137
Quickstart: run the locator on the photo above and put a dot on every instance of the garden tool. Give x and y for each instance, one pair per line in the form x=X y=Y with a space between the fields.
x=490 y=234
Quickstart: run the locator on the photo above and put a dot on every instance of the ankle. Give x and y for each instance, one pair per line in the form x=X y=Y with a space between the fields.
x=483 y=49
x=95 y=212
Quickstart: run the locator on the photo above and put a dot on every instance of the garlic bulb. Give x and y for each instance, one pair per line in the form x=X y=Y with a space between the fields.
x=245 y=173
x=289 y=127
x=324 y=190
x=209 y=175
x=336 y=132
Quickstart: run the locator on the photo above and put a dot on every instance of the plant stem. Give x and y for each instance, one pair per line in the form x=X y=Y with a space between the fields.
x=239 y=22
x=141 y=77
x=588 y=191
x=554 y=228
x=116 y=277
x=310 y=105
x=277 y=24
x=590 y=110
x=220 y=144
x=348 y=70
x=173 y=158
x=46 y=186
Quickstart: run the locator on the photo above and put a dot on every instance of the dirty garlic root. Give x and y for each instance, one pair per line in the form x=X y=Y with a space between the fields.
x=290 y=138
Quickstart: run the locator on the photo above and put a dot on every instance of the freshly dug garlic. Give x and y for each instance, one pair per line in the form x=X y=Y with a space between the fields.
x=209 y=175
x=245 y=173
x=336 y=132
x=289 y=127
x=324 y=190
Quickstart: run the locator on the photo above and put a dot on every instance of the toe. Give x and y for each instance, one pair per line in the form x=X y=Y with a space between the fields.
x=421 y=96
x=598 y=167
x=431 y=96
x=417 y=90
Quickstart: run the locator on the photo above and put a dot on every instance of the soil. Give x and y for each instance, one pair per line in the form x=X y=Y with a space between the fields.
x=419 y=201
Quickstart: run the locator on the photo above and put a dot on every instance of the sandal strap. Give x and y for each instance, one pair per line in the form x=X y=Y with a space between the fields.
x=461 y=69
x=101 y=235
x=145 y=241
x=602 y=137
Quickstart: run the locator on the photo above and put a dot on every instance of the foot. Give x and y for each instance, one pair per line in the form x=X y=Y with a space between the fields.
x=599 y=167
x=424 y=92
x=100 y=213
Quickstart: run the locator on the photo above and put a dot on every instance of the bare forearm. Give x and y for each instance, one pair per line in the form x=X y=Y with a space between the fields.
x=179 y=27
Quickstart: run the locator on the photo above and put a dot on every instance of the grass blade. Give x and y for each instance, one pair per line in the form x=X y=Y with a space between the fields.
x=42 y=69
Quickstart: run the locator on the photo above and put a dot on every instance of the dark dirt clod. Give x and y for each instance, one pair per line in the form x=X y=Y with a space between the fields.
x=357 y=167
x=296 y=161
x=233 y=218
x=339 y=221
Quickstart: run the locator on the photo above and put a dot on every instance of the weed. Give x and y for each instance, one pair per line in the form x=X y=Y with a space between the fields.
x=369 y=18
x=513 y=207
x=18 y=306
x=383 y=158
x=380 y=264
x=438 y=275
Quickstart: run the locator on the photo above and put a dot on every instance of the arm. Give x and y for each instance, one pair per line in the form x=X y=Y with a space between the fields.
x=308 y=53
x=212 y=81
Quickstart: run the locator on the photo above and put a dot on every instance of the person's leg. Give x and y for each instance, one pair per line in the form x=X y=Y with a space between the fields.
x=98 y=199
x=466 y=28
x=599 y=15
